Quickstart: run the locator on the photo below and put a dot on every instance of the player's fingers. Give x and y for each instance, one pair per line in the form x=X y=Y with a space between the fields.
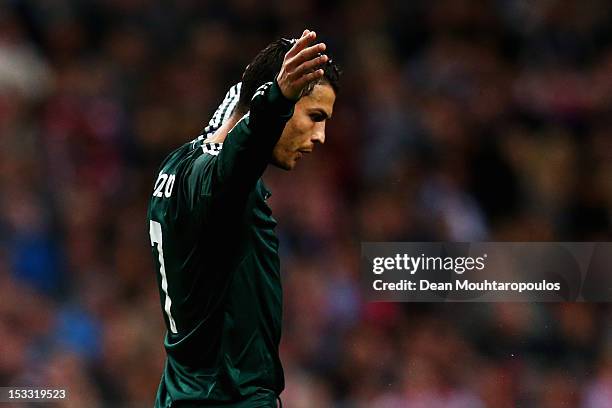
x=293 y=50
x=306 y=38
x=308 y=66
x=306 y=54
x=305 y=79
x=300 y=43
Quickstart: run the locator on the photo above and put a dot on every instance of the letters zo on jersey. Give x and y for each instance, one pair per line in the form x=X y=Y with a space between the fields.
x=164 y=185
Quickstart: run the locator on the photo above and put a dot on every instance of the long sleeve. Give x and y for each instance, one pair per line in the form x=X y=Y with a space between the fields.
x=220 y=178
x=249 y=145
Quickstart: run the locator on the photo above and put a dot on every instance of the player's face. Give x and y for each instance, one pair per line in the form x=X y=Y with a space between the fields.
x=305 y=128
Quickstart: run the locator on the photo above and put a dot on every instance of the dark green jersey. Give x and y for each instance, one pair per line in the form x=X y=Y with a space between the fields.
x=216 y=255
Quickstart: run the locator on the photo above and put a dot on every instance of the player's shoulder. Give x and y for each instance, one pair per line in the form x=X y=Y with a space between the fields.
x=182 y=175
x=168 y=176
x=196 y=152
x=198 y=167
x=176 y=165
x=210 y=150
x=204 y=153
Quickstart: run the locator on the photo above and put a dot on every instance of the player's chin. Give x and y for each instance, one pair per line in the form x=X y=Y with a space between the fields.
x=290 y=165
x=287 y=164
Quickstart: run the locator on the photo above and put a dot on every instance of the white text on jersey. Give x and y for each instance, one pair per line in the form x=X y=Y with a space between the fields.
x=164 y=180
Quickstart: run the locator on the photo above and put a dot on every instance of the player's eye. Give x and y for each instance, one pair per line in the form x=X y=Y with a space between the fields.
x=317 y=117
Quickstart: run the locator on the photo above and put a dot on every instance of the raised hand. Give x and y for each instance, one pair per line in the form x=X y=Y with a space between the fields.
x=301 y=65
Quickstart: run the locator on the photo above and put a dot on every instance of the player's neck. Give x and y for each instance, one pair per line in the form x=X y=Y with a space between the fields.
x=221 y=133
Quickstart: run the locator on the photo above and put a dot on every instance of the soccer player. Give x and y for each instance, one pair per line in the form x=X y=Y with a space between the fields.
x=212 y=232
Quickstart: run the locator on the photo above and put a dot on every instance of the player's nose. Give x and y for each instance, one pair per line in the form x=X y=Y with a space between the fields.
x=319 y=133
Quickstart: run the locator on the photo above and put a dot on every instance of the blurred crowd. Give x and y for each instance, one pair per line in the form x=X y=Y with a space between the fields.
x=458 y=120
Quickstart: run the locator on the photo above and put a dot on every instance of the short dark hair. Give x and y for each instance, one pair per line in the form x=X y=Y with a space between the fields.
x=267 y=64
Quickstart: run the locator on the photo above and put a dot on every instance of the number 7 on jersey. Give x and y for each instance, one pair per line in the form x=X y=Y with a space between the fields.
x=155 y=232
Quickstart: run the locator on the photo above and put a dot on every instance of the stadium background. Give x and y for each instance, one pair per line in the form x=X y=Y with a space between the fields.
x=458 y=120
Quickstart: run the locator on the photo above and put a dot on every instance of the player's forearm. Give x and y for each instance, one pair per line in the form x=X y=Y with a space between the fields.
x=224 y=110
x=248 y=147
